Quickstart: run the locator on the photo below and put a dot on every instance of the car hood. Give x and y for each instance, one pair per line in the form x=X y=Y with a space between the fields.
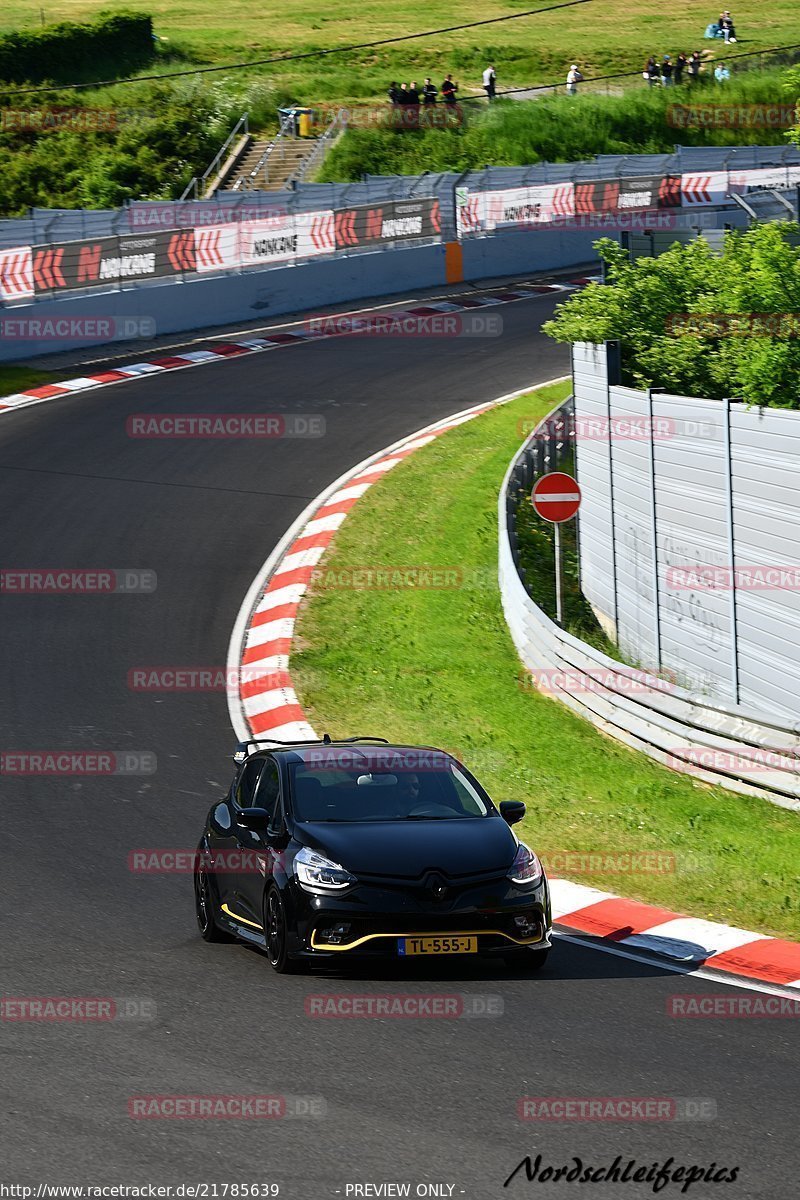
x=462 y=846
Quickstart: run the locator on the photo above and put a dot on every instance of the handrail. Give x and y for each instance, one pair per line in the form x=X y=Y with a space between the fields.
x=248 y=181
x=192 y=186
x=321 y=146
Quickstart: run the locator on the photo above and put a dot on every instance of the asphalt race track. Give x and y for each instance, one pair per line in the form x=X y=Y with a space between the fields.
x=423 y=1101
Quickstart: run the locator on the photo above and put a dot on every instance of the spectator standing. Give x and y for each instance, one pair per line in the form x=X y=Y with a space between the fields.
x=666 y=71
x=403 y=94
x=693 y=67
x=653 y=72
x=680 y=67
x=449 y=90
x=413 y=93
x=489 y=82
x=429 y=92
x=394 y=93
x=574 y=77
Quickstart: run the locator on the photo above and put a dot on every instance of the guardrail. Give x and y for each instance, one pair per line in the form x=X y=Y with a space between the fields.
x=685 y=190
x=197 y=187
x=717 y=744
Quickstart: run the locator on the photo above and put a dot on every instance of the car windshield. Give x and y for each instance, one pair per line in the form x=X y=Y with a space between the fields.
x=366 y=789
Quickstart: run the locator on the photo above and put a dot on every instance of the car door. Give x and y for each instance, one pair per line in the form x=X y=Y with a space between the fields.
x=227 y=847
x=257 y=857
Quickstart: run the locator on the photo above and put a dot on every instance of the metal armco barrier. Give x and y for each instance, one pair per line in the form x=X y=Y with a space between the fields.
x=276 y=238
x=732 y=746
x=53 y=252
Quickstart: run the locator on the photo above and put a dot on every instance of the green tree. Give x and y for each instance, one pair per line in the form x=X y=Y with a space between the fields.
x=749 y=344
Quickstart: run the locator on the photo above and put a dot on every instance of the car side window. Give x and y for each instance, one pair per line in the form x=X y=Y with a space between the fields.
x=269 y=791
x=247 y=782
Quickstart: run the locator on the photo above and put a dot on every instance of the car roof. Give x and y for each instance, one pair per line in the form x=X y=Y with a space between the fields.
x=312 y=751
x=299 y=752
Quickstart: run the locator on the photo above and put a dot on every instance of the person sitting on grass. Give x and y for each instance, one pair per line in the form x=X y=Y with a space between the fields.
x=726 y=25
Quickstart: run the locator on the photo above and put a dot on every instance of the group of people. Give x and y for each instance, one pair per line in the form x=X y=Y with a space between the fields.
x=670 y=72
x=410 y=94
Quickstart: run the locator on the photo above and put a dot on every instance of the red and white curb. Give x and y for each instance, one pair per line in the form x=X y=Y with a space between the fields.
x=265 y=705
x=273 y=341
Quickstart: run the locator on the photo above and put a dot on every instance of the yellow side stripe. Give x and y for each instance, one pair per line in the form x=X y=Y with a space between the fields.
x=460 y=933
x=243 y=920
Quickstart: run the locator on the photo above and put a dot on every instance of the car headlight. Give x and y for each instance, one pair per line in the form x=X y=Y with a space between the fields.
x=318 y=874
x=526 y=867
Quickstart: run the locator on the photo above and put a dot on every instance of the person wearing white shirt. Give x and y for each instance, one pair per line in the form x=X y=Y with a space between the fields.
x=574 y=77
x=489 y=80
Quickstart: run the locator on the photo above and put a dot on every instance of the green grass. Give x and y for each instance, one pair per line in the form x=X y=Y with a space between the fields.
x=603 y=36
x=438 y=666
x=19 y=379
x=558 y=129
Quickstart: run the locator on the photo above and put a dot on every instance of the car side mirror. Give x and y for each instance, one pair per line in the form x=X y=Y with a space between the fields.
x=512 y=811
x=256 y=819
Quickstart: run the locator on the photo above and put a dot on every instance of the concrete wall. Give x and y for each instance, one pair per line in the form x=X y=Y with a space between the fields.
x=223 y=299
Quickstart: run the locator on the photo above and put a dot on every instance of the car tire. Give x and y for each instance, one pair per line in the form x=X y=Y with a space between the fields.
x=204 y=906
x=528 y=960
x=276 y=934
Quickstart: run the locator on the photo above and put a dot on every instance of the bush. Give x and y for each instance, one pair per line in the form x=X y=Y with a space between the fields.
x=745 y=355
x=116 y=44
x=132 y=143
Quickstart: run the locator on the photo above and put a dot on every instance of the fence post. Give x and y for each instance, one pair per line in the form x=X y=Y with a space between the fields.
x=612 y=355
x=731 y=548
x=654 y=528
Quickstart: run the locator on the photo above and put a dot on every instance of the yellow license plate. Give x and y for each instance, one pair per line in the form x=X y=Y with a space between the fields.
x=437 y=945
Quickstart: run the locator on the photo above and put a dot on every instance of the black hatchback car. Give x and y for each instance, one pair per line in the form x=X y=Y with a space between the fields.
x=330 y=849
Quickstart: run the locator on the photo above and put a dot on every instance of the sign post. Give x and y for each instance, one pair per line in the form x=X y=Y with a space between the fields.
x=556 y=498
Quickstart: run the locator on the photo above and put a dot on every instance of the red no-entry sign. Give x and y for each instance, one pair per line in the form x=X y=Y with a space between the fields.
x=556 y=497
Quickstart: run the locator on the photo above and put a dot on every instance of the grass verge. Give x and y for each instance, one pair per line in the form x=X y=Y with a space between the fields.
x=439 y=667
x=565 y=128
x=19 y=379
